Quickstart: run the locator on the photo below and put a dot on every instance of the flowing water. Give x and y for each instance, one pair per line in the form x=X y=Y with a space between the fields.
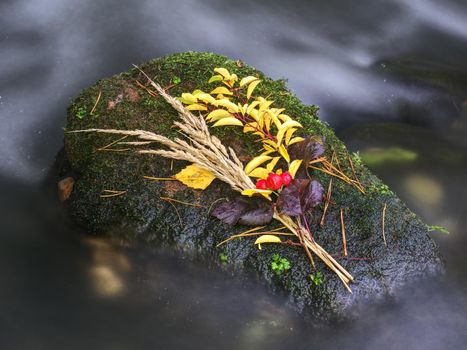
x=389 y=76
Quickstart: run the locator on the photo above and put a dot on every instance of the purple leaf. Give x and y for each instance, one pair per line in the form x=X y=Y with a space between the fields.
x=289 y=199
x=314 y=149
x=230 y=212
x=309 y=149
x=261 y=215
x=300 y=196
x=311 y=195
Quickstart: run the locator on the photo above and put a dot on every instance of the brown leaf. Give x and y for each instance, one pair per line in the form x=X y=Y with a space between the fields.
x=65 y=187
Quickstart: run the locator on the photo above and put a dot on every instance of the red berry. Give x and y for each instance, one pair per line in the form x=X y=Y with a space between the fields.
x=261 y=185
x=286 y=178
x=274 y=181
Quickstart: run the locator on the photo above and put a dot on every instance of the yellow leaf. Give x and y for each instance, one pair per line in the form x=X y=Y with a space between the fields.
x=267 y=239
x=228 y=121
x=261 y=173
x=218 y=114
x=268 y=149
x=243 y=108
x=252 y=191
x=288 y=135
x=227 y=104
x=264 y=104
x=254 y=114
x=270 y=143
x=250 y=127
x=215 y=78
x=206 y=98
x=291 y=124
x=221 y=90
x=222 y=71
x=295 y=140
x=284 y=117
x=293 y=167
x=270 y=166
x=251 y=87
x=256 y=162
x=284 y=153
x=195 y=177
x=284 y=127
x=189 y=97
x=196 y=107
x=251 y=106
x=197 y=92
x=247 y=80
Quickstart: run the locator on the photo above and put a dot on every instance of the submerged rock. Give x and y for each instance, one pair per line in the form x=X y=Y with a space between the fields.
x=139 y=213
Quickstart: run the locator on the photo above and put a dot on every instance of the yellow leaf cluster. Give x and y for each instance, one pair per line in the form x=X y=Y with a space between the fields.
x=232 y=104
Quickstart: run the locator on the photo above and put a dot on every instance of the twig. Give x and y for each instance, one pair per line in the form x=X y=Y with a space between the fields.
x=112 y=143
x=168 y=199
x=160 y=178
x=149 y=91
x=305 y=247
x=112 y=193
x=240 y=234
x=383 y=224
x=176 y=211
x=344 y=240
x=326 y=204
x=97 y=101
x=352 y=258
x=353 y=170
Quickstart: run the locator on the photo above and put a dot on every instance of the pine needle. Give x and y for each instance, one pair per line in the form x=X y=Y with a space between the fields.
x=328 y=200
x=112 y=193
x=168 y=199
x=97 y=101
x=112 y=143
x=160 y=178
x=344 y=240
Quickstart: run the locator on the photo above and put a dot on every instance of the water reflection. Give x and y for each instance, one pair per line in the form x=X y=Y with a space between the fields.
x=108 y=269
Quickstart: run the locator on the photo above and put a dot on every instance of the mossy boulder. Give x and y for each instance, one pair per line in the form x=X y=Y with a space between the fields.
x=140 y=213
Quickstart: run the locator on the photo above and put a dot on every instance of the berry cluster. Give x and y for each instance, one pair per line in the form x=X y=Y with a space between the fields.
x=274 y=181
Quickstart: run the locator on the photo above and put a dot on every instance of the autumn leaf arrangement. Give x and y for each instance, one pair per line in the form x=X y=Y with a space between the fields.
x=275 y=185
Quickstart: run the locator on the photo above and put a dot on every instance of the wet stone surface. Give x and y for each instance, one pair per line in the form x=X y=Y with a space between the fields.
x=139 y=213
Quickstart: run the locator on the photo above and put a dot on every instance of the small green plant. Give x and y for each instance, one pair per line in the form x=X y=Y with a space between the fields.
x=316 y=278
x=279 y=265
x=383 y=189
x=176 y=80
x=223 y=258
x=356 y=158
x=437 y=228
x=81 y=112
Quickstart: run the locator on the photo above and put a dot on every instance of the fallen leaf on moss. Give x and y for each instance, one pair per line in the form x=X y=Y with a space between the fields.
x=267 y=239
x=195 y=177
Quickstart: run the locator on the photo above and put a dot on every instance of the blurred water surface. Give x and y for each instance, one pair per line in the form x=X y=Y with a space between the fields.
x=389 y=76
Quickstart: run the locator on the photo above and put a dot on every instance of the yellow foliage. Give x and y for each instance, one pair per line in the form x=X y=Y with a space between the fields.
x=230 y=105
x=195 y=177
x=255 y=162
x=267 y=239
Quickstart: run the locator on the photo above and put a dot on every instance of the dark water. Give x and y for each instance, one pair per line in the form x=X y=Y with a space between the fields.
x=365 y=64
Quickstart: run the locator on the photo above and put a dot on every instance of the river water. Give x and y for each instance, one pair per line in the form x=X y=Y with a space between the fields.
x=390 y=78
